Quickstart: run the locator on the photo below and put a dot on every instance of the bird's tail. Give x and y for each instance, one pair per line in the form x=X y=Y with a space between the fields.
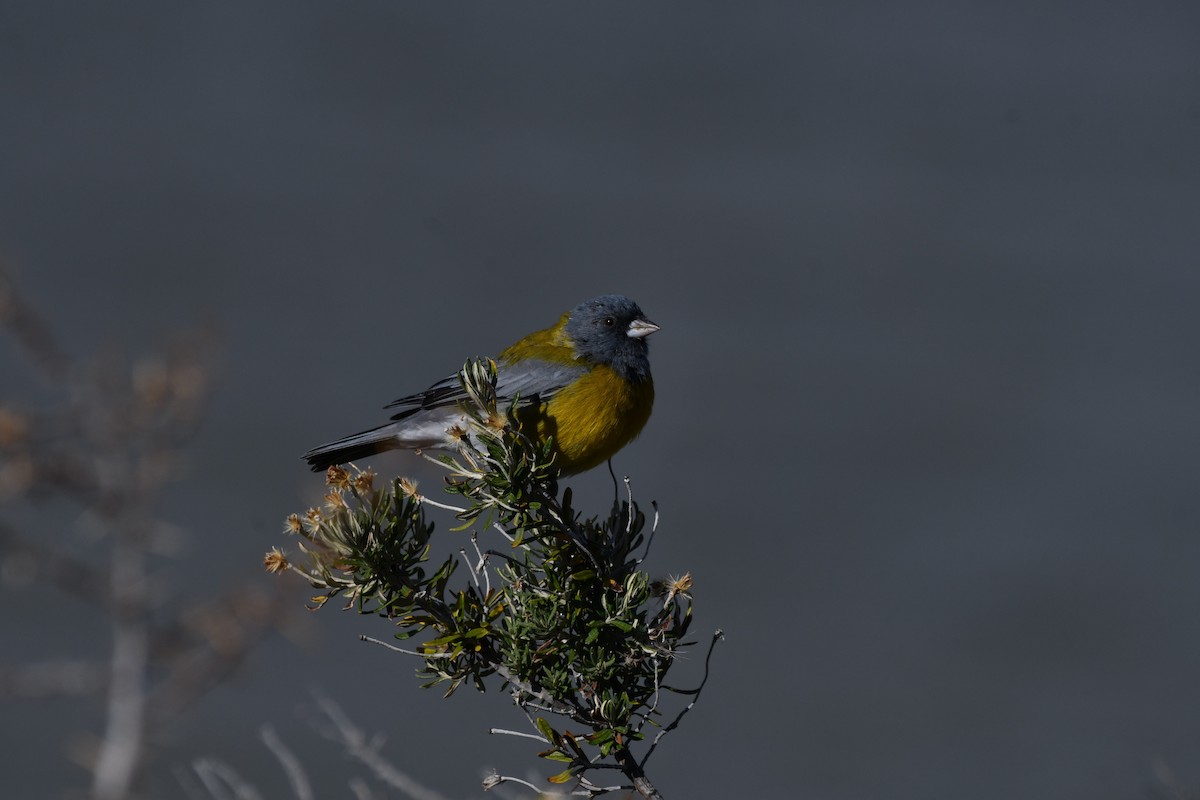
x=352 y=448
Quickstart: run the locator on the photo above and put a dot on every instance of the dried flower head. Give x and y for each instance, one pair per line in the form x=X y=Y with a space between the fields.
x=312 y=519
x=275 y=561
x=673 y=585
x=293 y=524
x=334 y=501
x=364 y=482
x=151 y=382
x=679 y=585
x=409 y=488
x=17 y=475
x=337 y=477
x=12 y=427
x=456 y=432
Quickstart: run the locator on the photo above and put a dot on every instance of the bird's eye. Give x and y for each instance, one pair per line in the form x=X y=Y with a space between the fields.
x=609 y=321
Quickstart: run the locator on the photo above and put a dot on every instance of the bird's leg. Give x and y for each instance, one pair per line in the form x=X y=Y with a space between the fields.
x=616 y=486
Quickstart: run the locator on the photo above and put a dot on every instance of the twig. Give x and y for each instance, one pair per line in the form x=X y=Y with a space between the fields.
x=552 y=704
x=633 y=770
x=30 y=330
x=361 y=790
x=653 y=530
x=291 y=765
x=71 y=575
x=653 y=706
x=718 y=635
x=124 y=736
x=368 y=639
x=503 y=532
x=213 y=773
x=356 y=745
x=53 y=679
x=481 y=566
x=474 y=571
x=1168 y=785
x=420 y=498
x=186 y=778
x=592 y=790
x=522 y=734
x=456 y=469
x=215 y=642
x=556 y=513
x=495 y=779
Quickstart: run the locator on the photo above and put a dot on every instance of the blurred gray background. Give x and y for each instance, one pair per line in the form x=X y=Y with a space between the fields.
x=928 y=375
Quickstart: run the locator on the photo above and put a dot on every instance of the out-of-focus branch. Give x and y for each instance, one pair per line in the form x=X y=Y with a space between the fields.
x=124 y=737
x=365 y=751
x=111 y=443
x=53 y=679
x=67 y=573
x=221 y=782
x=208 y=644
x=1168 y=785
x=212 y=779
x=291 y=765
x=30 y=331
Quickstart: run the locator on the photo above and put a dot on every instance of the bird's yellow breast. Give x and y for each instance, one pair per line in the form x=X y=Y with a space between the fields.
x=594 y=417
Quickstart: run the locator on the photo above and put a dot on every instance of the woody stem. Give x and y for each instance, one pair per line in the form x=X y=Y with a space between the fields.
x=633 y=770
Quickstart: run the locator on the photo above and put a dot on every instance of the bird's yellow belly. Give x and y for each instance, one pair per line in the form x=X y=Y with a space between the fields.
x=594 y=417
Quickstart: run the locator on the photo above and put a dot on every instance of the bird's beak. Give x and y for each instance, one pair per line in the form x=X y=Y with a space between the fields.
x=640 y=328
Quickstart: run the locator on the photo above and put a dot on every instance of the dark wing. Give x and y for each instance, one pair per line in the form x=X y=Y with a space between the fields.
x=445 y=392
x=529 y=378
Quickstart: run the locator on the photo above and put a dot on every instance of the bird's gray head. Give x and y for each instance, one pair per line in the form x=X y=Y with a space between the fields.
x=612 y=330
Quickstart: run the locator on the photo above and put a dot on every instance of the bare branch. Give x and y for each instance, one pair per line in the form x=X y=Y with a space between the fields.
x=633 y=770
x=552 y=704
x=495 y=779
x=718 y=635
x=522 y=734
x=653 y=530
x=30 y=330
x=369 y=640
x=357 y=746
x=53 y=679
x=207 y=645
x=361 y=790
x=222 y=782
x=111 y=446
x=69 y=574
x=291 y=765
x=124 y=736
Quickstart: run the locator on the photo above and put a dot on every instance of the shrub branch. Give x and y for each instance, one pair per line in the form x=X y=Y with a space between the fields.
x=560 y=612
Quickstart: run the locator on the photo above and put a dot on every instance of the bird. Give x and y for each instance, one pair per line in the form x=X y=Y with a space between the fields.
x=585 y=381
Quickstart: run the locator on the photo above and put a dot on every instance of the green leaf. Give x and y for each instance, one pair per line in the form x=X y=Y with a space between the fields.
x=449 y=637
x=547 y=731
x=600 y=737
